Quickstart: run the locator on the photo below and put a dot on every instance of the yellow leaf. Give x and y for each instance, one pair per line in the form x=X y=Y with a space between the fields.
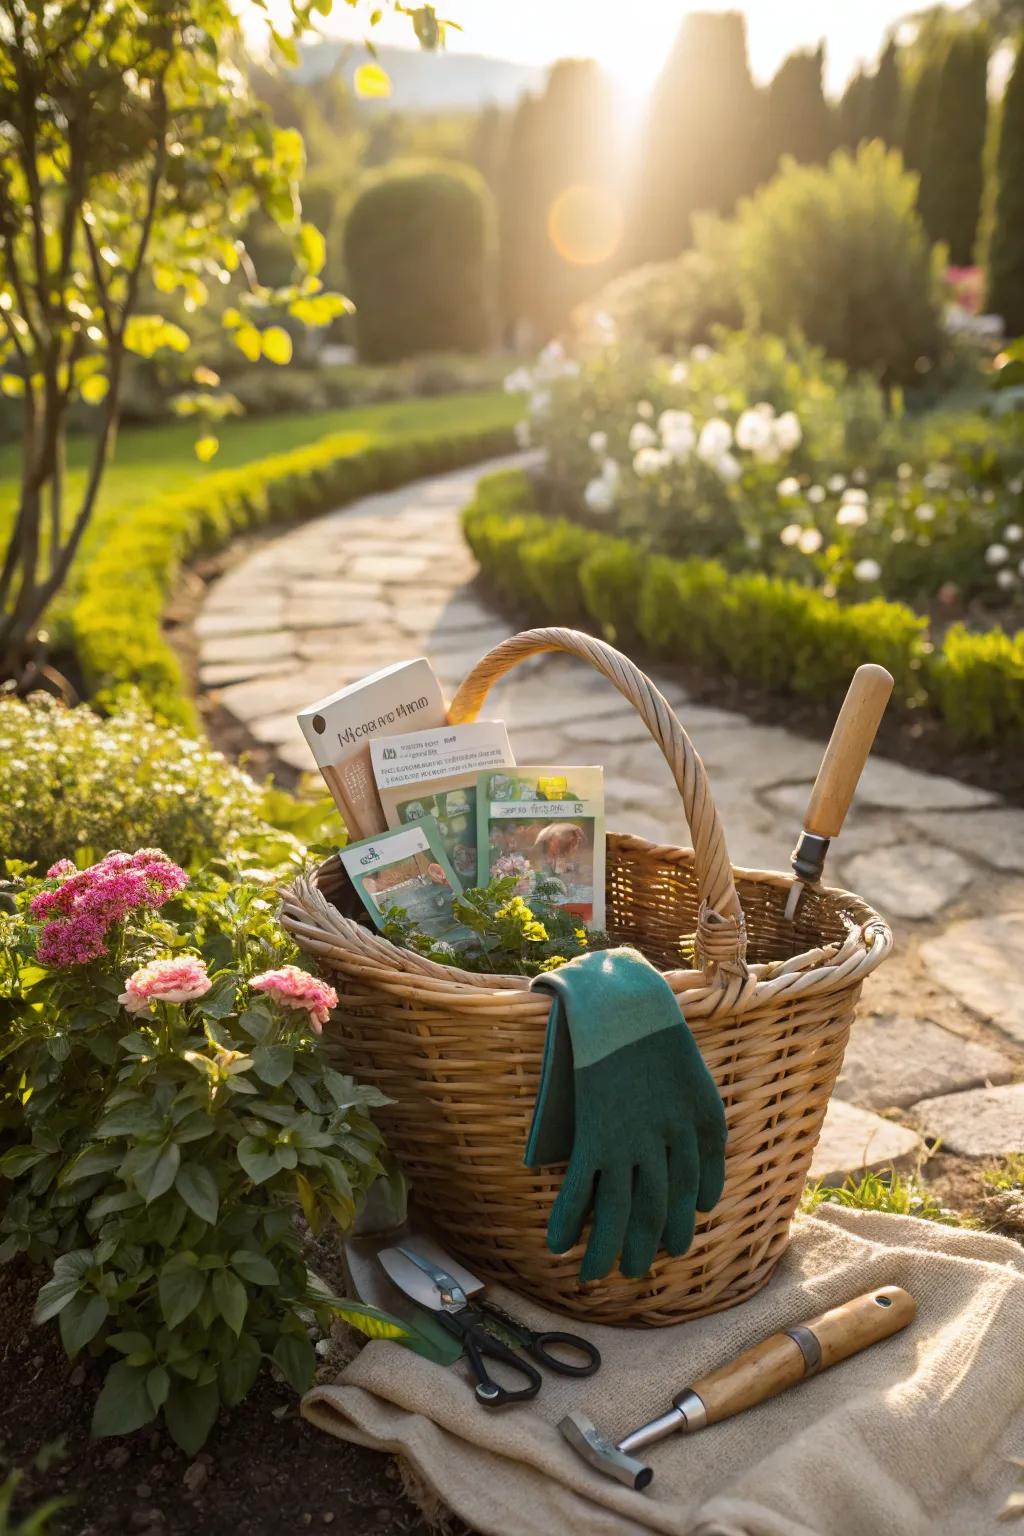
x=204 y=375
x=372 y=81
x=308 y=1201
x=12 y=386
x=206 y=447
x=368 y=1321
x=94 y=389
x=146 y=334
x=313 y=248
x=247 y=340
x=277 y=344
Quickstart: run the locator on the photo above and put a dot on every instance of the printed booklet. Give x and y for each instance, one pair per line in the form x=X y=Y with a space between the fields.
x=407 y=868
x=545 y=823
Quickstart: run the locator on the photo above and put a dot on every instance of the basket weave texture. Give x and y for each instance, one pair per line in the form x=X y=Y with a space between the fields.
x=769 y=1002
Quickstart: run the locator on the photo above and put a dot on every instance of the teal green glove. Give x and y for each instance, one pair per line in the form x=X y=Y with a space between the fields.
x=626 y=1099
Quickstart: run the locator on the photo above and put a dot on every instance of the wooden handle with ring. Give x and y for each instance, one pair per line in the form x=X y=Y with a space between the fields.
x=790 y=1357
x=852 y=738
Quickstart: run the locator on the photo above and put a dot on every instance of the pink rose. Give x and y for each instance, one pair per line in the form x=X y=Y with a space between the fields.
x=293 y=988
x=178 y=980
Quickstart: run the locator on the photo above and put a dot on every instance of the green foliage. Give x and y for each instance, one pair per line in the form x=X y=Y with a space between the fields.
x=799 y=117
x=885 y=114
x=38 y=1522
x=889 y=1192
x=917 y=131
x=839 y=254
x=765 y=630
x=120 y=645
x=703 y=141
x=518 y=929
x=158 y=1160
x=952 y=176
x=419 y=252
x=1006 y=250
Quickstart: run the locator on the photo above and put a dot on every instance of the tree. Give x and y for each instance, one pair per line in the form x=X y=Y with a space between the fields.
x=952 y=175
x=1006 y=253
x=703 y=141
x=917 y=131
x=419 y=247
x=799 y=118
x=885 y=103
x=132 y=154
x=854 y=114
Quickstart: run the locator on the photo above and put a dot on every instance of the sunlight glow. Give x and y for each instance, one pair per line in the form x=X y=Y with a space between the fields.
x=585 y=225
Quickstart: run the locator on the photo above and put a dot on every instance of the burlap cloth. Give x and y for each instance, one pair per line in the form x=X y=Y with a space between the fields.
x=909 y=1437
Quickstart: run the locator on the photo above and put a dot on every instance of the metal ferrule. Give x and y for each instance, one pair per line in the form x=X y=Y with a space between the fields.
x=687 y=1414
x=807 y=1343
x=808 y=857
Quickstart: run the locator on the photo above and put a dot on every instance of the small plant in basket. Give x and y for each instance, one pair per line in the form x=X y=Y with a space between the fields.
x=511 y=936
x=171 y=1114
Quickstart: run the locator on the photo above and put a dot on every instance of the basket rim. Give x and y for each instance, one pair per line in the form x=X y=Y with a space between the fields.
x=320 y=928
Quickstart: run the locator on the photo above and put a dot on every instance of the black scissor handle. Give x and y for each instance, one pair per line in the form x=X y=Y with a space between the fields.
x=481 y=1344
x=540 y=1347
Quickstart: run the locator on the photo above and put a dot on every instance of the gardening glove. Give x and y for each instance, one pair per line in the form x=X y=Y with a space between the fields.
x=626 y=1099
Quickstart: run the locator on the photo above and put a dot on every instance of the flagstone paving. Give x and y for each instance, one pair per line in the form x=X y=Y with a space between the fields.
x=940 y=1041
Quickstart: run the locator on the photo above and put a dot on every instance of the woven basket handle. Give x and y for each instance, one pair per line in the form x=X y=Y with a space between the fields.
x=721 y=936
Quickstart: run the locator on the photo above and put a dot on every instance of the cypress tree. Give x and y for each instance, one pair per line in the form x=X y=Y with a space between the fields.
x=917 y=130
x=952 y=177
x=885 y=103
x=1006 y=254
x=519 y=218
x=855 y=110
x=702 y=144
x=799 y=117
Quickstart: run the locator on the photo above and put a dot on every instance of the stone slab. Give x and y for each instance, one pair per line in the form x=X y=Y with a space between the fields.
x=892 y=1061
x=855 y=1140
x=257 y=618
x=387 y=567
x=895 y=787
x=911 y=880
x=340 y=613
x=268 y=645
x=981 y=962
x=220 y=674
x=985 y=1122
x=995 y=837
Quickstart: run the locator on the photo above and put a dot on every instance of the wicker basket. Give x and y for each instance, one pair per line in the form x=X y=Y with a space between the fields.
x=770 y=1006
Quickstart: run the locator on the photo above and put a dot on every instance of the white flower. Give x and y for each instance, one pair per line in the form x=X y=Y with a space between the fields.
x=769 y=452
x=670 y=422
x=518 y=382
x=522 y=432
x=727 y=467
x=645 y=409
x=599 y=496
x=867 y=570
x=540 y=402
x=816 y=495
x=700 y=353
x=788 y=487
x=836 y=483
x=1013 y=533
x=1016 y=486
x=551 y=360
x=597 y=442
x=790 y=535
x=721 y=402
x=715 y=439
x=810 y=541
x=859 y=477
x=753 y=430
x=904 y=471
x=678 y=373
x=925 y=513
x=649 y=461
x=788 y=431
x=611 y=471
x=997 y=554
x=1006 y=580
x=851 y=515
x=641 y=435
x=854 y=497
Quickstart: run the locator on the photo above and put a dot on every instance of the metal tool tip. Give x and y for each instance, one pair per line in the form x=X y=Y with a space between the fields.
x=793 y=900
x=587 y=1440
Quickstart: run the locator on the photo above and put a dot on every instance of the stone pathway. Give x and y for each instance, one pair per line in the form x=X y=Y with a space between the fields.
x=938 y=1051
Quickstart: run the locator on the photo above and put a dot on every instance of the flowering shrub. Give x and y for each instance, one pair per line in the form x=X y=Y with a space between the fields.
x=167 y=1114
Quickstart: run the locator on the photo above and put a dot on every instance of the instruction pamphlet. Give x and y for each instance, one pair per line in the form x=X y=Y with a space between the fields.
x=545 y=823
x=407 y=868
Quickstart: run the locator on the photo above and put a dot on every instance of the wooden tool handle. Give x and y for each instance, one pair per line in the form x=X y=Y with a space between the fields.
x=782 y=1361
x=847 y=751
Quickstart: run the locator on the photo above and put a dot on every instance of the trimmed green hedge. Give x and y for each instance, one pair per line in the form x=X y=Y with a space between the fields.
x=115 y=622
x=760 y=629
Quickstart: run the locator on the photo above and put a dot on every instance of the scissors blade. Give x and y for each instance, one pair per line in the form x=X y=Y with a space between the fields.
x=452 y=1297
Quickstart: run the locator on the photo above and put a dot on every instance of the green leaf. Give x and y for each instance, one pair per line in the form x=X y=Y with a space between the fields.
x=19 y=1160
x=259 y=1163
x=191 y=1412
x=273 y=1063
x=81 y=1320
x=232 y=1299
x=239 y=1371
x=254 y=1267
x=91 y=1161
x=256 y=1021
x=295 y=1358
x=55 y=1295
x=158 y=1384
x=162 y=1175
x=123 y=1404
x=220 y=1000
x=198 y=1188
x=181 y=1287
x=130 y=1343
x=136 y=1118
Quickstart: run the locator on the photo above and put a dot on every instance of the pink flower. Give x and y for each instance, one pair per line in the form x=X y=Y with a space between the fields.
x=179 y=980
x=293 y=988
x=98 y=897
x=60 y=869
x=72 y=941
x=514 y=864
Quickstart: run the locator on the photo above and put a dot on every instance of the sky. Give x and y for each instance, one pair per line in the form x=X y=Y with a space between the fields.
x=632 y=37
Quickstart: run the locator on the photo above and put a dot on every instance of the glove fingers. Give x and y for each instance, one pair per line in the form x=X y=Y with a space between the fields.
x=683 y=1176
x=711 y=1143
x=646 y=1216
x=569 y=1211
x=611 y=1212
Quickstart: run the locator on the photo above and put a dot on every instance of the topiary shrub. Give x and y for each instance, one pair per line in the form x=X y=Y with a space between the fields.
x=419 y=252
x=839 y=253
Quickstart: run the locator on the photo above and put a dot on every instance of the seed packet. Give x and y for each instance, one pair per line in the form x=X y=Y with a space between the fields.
x=408 y=869
x=545 y=823
x=434 y=773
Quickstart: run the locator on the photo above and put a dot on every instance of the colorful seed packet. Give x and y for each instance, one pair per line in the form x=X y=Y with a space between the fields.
x=545 y=824
x=407 y=869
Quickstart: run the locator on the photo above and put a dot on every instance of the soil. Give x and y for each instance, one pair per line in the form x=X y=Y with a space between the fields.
x=264 y=1471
